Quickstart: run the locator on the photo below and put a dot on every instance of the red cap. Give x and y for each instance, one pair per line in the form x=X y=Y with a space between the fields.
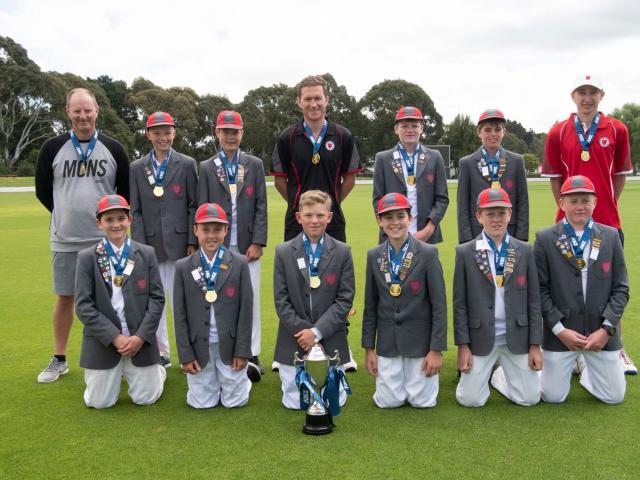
x=491 y=114
x=393 y=201
x=409 y=113
x=160 y=118
x=577 y=184
x=112 y=202
x=493 y=197
x=229 y=119
x=211 y=212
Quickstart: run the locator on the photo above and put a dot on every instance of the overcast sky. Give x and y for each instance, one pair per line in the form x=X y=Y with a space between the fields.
x=521 y=57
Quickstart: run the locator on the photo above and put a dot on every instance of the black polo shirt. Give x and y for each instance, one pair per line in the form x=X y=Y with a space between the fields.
x=292 y=159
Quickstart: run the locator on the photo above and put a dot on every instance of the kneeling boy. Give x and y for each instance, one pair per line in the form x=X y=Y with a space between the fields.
x=405 y=312
x=212 y=314
x=119 y=299
x=313 y=289
x=496 y=310
x=584 y=290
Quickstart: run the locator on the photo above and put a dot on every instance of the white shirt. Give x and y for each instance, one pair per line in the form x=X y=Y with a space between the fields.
x=498 y=299
x=117 y=299
x=213 y=328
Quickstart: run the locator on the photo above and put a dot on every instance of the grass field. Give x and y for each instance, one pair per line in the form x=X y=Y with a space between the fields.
x=47 y=432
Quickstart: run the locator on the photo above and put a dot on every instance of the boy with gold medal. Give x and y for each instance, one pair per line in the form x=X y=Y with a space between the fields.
x=404 y=326
x=213 y=303
x=496 y=303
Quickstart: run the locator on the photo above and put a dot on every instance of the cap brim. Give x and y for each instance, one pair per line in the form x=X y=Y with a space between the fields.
x=212 y=220
x=497 y=203
x=230 y=125
x=115 y=207
x=578 y=190
x=161 y=124
x=395 y=207
x=500 y=119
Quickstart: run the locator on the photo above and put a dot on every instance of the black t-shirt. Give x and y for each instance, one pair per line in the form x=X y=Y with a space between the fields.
x=292 y=159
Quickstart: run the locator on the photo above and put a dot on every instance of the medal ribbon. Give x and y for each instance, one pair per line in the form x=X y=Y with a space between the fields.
x=331 y=394
x=409 y=160
x=118 y=263
x=313 y=257
x=211 y=272
x=160 y=169
x=578 y=246
x=230 y=167
x=76 y=144
x=586 y=142
x=315 y=142
x=492 y=163
x=499 y=256
x=396 y=260
x=307 y=387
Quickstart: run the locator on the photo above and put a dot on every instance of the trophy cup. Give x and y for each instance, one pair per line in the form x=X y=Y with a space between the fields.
x=316 y=365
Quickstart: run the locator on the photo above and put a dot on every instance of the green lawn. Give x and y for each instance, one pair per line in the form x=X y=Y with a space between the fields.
x=47 y=432
x=16 y=181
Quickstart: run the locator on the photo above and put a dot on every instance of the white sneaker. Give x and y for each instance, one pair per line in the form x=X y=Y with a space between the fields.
x=579 y=365
x=351 y=365
x=275 y=366
x=627 y=364
x=53 y=371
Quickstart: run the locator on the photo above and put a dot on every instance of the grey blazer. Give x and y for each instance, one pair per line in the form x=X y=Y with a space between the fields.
x=415 y=322
x=471 y=182
x=431 y=183
x=164 y=223
x=332 y=300
x=474 y=294
x=251 y=197
x=143 y=303
x=561 y=285
x=233 y=309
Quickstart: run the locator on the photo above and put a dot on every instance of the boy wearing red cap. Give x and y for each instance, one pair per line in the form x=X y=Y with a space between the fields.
x=584 y=290
x=415 y=171
x=119 y=300
x=235 y=180
x=212 y=315
x=591 y=144
x=313 y=289
x=496 y=310
x=404 y=326
x=163 y=202
x=495 y=167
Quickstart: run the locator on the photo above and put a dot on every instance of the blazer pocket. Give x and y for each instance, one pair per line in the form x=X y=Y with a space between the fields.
x=475 y=322
x=522 y=320
x=182 y=228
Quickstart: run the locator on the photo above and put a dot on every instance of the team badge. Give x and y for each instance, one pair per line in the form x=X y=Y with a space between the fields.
x=430 y=177
x=604 y=142
x=176 y=188
x=522 y=280
x=606 y=267
x=331 y=278
x=230 y=292
x=329 y=145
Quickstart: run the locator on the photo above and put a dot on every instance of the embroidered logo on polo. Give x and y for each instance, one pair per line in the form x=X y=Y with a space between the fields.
x=329 y=145
x=604 y=142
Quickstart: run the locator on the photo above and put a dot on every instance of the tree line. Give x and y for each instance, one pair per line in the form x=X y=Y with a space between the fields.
x=32 y=108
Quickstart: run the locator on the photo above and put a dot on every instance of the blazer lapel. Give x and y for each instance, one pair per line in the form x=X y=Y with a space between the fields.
x=297 y=253
x=133 y=255
x=327 y=255
x=421 y=161
x=225 y=270
x=103 y=264
x=219 y=173
x=172 y=168
x=396 y=164
x=482 y=259
x=596 y=241
x=563 y=244
x=201 y=282
x=513 y=257
x=242 y=172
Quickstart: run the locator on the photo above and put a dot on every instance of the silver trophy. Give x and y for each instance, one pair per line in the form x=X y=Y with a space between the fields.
x=318 y=420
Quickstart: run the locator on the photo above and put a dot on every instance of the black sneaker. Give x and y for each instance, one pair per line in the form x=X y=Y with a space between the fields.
x=165 y=361
x=253 y=372
x=256 y=361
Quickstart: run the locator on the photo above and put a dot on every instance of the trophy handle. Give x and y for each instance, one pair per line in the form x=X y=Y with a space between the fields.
x=335 y=358
x=296 y=359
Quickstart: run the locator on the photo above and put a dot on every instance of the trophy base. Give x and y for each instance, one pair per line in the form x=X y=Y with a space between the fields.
x=318 y=424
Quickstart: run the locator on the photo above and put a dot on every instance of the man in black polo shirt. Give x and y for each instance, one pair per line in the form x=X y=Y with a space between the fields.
x=314 y=154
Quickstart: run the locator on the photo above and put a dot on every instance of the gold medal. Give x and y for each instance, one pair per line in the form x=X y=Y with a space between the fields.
x=316 y=158
x=500 y=280
x=395 y=290
x=411 y=180
x=233 y=188
x=211 y=296
x=314 y=281
x=581 y=263
x=495 y=184
x=117 y=280
x=158 y=191
x=82 y=169
x=584 y=156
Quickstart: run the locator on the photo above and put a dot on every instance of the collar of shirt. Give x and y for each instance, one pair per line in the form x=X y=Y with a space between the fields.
x=486 y=246
x=206 y=257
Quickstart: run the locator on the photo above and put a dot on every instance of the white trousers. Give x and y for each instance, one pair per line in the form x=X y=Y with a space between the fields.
x=290 y=392
x=254 y=273
x=217 y=382
x=103 y=386
x=401 y=379
x=167 y=272
x=513 y=379
x=603 y=375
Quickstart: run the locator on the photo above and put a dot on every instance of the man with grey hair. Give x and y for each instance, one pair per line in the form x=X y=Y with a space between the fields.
x=73 y=171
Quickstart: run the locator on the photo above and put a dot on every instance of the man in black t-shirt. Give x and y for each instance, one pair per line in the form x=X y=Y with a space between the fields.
x=315 y=154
